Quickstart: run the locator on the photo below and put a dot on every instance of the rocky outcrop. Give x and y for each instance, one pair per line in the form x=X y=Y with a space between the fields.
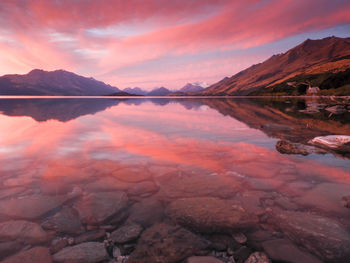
x=90 y=252
x=163 y=243
x=207 y=214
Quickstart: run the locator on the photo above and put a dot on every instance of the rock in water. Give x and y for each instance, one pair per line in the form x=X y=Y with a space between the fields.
x=209 y=214
x=126 y=233
x=163 y=243
x=96 y=208
x=340 y=143
x=258 y=257
x=285 y=251
x=285 y=147
x=22 y=231
x=90 y=252
x=37 y=254
x=320 y=235
x=65 y=221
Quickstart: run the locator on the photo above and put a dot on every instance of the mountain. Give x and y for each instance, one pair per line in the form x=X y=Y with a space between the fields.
x=316 y=54
x=135 y=91
x=194 y=87
x=53 y=83
x=159 y=92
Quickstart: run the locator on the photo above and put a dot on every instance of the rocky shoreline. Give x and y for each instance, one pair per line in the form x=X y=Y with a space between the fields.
x=165 y=215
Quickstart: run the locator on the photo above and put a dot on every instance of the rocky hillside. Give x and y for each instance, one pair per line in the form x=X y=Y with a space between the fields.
x=315 y=54
x=53 y=83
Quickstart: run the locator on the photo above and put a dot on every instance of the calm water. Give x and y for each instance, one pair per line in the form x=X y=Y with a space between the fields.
x=57 y=154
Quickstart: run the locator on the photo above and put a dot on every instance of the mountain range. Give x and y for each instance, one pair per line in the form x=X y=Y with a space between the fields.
x=310 y=57
x=324 y=63
x=53 y=83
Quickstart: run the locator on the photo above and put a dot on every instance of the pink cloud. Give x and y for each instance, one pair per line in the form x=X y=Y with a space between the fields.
x=88 y=36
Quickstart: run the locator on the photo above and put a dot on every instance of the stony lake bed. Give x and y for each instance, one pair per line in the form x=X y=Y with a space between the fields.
x=174 y=180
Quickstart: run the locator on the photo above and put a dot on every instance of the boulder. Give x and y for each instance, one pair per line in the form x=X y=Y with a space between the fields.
x=285 y=251
x=22 y=231
x=126 y=233
x=66 y=221
x=90 y=252
x=96 y=208
x=286 y=147
x=209 y=214
x=164 y=243
x=258 y=257
x=36 y=254
x=339 y=143
x=320 y=235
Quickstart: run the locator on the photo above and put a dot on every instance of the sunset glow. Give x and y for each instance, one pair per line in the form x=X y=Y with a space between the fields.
x=150 y=43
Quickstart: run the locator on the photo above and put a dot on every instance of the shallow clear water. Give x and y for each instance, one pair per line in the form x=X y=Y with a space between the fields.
x=165 y=150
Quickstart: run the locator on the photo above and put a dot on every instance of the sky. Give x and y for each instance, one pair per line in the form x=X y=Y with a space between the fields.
x=152 y=43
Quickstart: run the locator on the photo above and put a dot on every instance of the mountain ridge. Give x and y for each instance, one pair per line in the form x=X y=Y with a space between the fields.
x=309 y=53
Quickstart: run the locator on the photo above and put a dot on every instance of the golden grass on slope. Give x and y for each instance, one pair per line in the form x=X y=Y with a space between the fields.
x=334 y=67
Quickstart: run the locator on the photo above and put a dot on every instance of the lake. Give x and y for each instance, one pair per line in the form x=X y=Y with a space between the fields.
x=188 y=176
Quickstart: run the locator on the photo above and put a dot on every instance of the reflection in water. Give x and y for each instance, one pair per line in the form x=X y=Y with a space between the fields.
x=210 y=165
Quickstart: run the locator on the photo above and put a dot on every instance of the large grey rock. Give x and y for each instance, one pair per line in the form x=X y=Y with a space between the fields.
x=65 y=221
x=340 y=143
x=90 y=252
x=285 y=251
x=320 y=235
x=163 y=243
x=126 y=233
x=209 y=214
x=36 y=254
x=32 y=207
x=96 y=208
x=22 y=231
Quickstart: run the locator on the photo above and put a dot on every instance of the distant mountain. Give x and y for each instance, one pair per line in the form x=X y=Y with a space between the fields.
x=53 y=83
x=310 y=54
x=159 y=92
x=194 y=87
x=135 y=91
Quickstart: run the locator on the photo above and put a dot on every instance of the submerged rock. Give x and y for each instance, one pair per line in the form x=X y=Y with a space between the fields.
x=320 y=235
x=339 y=143
x=90 y=236
x=209 y=214
x=32 y=207
x=285 y=147
x=65 y=221
x=37 y=254
x=126 y=233
x=22 y=231
x=96 y=208
x=9 y=248
x=91 y=252
x=285 y=251
x=165 y=243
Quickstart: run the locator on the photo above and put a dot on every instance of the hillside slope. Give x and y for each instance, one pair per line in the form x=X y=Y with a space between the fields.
x=310 y=53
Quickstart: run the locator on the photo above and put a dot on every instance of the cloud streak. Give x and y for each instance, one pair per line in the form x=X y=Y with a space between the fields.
x=102 y=38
